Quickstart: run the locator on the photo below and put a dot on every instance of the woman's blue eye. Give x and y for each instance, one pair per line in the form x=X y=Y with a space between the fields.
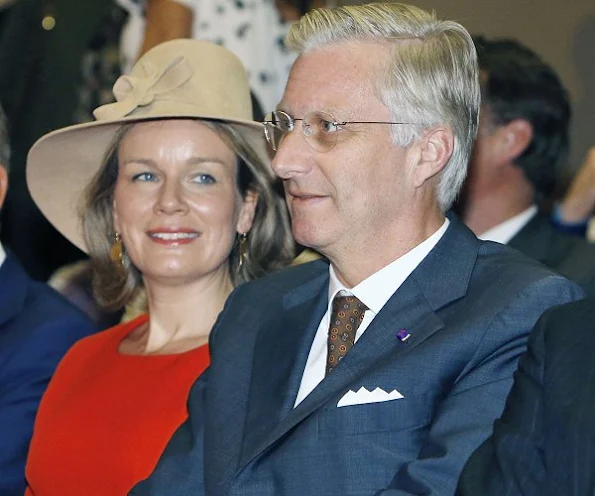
x=144 y=176
x=203 y=179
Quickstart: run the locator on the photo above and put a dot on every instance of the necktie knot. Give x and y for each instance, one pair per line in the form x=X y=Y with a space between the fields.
x=346 y=316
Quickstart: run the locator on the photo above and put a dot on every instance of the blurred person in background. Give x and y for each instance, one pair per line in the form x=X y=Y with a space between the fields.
x=42 y=48
x=254 y=30
x=37 y=327
x=544 y=443
x=74 y=282
x=522 y=141
x=180 y=201
x=574 y=211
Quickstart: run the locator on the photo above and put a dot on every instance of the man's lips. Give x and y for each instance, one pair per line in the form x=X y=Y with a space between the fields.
x=307 y=200
x=304 y=196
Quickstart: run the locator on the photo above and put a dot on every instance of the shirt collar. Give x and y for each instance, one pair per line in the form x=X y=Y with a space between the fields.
x=377 y=289
x=2 y=255
x=505 y=231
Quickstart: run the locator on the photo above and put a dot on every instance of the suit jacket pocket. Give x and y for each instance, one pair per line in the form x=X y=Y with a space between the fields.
x=388 y=416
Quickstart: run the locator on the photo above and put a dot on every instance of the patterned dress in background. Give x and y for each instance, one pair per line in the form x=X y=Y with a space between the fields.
x=252 y=29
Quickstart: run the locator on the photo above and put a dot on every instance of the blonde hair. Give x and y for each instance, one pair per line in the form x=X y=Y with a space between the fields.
x=431 y=77
x=269 y=243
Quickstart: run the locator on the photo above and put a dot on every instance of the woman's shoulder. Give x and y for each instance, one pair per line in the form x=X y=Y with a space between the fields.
x=88 y=356
x=104 y=341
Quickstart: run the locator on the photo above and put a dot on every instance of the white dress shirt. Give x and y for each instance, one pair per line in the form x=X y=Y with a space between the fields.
x=2 y=255
x=374 y=292
x=504 y=232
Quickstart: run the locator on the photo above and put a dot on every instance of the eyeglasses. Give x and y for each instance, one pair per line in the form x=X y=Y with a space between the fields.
x=320 y=129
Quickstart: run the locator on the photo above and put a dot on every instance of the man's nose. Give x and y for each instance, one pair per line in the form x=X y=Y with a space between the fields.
x=293 y=155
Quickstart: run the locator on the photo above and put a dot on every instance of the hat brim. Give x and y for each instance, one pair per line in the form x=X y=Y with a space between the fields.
x=62 y=163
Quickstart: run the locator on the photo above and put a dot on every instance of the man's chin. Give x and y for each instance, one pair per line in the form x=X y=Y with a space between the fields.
x=307 y=234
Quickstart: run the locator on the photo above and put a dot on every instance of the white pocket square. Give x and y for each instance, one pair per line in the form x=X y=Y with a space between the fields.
x=362 y=396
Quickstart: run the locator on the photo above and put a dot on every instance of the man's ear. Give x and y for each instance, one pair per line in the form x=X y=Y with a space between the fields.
x=435 y=148
x=515 y=136
x=3 y=184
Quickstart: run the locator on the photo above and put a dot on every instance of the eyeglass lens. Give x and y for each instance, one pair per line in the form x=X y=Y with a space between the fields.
x=319 y=129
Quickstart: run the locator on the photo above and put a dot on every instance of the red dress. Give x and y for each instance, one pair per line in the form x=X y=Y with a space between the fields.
x=106 y=418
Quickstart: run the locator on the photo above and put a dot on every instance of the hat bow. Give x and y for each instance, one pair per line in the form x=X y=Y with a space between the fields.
x=132 y=92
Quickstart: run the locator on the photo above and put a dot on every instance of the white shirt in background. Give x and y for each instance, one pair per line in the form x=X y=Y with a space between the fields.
x=504 y=232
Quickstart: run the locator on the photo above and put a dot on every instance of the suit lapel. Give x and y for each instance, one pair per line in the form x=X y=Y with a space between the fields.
x=283 y=347
x=412 y=307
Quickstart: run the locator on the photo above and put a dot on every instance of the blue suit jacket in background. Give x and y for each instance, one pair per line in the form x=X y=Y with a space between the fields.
x=469 y=307
x=544 y=444
x=37 y=327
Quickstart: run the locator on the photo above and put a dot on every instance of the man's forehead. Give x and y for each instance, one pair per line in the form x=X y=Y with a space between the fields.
x=354 y=55
x=334 y=77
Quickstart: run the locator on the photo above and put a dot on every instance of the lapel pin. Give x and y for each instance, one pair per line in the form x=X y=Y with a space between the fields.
x=403 y=335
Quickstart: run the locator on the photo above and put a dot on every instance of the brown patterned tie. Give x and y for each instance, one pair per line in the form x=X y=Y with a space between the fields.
x=346 y=317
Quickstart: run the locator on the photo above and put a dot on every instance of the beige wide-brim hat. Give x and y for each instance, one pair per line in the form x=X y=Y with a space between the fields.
x=177 y=79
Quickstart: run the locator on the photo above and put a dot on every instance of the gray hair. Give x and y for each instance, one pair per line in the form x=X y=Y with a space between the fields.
x=4 y=141
x=431 y=77
x=269 y=244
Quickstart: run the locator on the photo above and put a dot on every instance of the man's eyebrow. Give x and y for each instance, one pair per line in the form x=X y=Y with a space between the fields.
x=329 y=109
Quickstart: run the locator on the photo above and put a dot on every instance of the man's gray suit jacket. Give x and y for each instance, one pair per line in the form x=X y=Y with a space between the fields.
x=468 y=307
